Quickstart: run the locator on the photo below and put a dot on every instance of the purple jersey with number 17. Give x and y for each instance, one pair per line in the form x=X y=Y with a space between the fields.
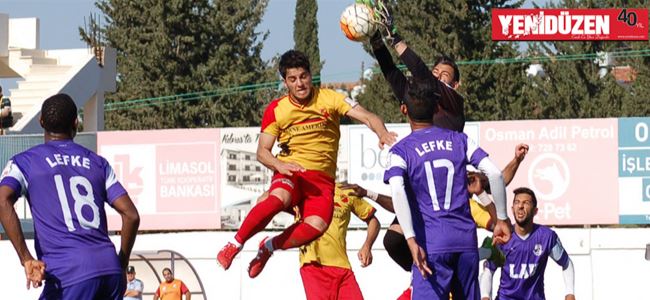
x=66 y=186
x=433 y=163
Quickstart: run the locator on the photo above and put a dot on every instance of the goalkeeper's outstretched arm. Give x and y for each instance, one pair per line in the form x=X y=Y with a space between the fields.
x=392 y=74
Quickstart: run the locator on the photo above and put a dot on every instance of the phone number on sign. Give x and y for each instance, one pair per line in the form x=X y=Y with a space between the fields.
x=555 y=147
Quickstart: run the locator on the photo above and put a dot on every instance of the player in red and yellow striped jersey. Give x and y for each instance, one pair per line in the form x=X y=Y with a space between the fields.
x=325 y=268
x=305 y=122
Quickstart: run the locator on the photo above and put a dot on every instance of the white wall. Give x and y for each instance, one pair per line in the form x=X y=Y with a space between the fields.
x=24 y=33
x=609 y=264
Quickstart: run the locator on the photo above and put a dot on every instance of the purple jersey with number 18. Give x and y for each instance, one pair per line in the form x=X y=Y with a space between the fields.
x=433 y=162
x=66 y=186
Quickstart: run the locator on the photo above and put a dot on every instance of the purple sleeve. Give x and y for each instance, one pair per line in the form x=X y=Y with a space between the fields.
x=396 y=165
x=490 y=265
x=114 y=188
x=12 y=183
x=474 y=153
x=558 y=254
x=13 y=177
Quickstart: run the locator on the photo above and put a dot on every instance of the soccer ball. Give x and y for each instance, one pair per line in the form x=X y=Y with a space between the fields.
x=357 y=22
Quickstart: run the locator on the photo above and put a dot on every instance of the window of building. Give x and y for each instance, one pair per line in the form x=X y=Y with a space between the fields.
x=232 y=178
x=232 y=167
x=232 y=156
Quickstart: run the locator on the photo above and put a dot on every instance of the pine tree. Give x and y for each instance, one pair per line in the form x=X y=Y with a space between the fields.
x=305 y=33
x=177 y=47
x=584 y=86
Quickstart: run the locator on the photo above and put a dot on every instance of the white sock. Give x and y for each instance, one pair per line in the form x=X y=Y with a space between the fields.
x=236 y=243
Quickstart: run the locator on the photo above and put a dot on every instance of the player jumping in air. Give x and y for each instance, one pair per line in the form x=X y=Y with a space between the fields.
x=306 y=125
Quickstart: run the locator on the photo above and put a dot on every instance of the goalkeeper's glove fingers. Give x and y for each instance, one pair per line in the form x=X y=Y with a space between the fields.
x=387 y=22
x=370 y=3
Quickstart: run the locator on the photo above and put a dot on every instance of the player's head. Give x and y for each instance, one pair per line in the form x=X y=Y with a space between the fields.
x=59 y=115
x=446 y=70
x=482 y=178
x=167 y=273
x=296 y=74
x=524 y=206
x=420 y=103
x=130 y=273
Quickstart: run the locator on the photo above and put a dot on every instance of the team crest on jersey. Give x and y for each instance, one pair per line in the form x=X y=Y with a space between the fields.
x=325 y=113
x=537 y=250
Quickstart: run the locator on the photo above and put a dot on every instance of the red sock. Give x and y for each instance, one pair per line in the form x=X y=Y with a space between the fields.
x=296 y=235
x=258 y=218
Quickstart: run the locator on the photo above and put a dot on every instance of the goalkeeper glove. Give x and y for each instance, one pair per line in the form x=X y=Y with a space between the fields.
x=386 y=21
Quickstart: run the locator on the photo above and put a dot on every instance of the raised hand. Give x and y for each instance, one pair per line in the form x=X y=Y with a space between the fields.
x=520 y=152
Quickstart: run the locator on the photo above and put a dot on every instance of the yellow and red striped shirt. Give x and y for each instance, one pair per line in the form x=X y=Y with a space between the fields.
x=308 y=134
x=330 y=249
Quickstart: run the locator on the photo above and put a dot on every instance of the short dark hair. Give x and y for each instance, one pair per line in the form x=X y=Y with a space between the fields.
x=293 y=59
x=446 y=60
x=59 y=114
x=168 y=269
x=485 y=182
x=421 y=100
x=525 y=190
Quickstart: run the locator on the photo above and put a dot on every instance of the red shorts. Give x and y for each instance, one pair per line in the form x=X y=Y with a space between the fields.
x=329 y=283
x=311 y=191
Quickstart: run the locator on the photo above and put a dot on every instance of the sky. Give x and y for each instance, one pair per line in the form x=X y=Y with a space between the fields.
x=60 y=19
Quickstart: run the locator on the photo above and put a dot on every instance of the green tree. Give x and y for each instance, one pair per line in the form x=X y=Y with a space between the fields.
x=180 y=47
x=461 y=30
x=305 y=33
x=583 y=86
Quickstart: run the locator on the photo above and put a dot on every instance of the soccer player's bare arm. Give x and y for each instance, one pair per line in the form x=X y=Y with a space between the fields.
x=386 y=202
x=34 y=269
x=511 y=168
x=267 y=158
x=11 y=223
x=130 y=223
x=375 y=123
x=365 y=253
